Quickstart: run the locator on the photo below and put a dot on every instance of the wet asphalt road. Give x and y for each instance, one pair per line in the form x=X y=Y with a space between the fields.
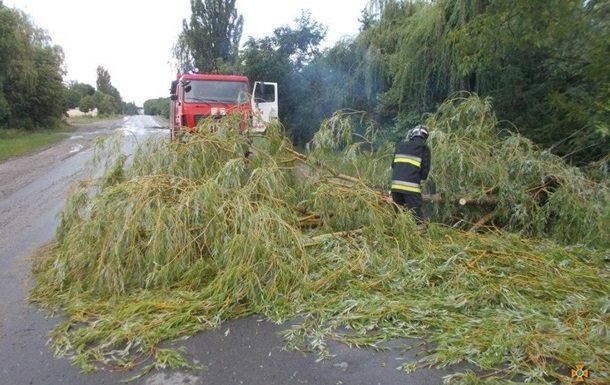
x=244 y=351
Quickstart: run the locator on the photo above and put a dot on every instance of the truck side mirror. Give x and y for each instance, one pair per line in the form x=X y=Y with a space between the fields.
x=173 y=97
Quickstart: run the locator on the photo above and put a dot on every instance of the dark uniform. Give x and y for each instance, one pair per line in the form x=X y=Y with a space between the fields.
x=410 y=167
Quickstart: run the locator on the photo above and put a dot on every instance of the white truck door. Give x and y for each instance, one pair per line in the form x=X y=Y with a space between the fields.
x=264 y=105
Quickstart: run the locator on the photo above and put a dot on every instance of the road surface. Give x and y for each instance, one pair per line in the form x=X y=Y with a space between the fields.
x=244 y=351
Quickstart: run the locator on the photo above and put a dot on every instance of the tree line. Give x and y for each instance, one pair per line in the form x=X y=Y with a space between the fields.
x=106 y=98
x=543 y=63
x=158 y=106
x=32 y=89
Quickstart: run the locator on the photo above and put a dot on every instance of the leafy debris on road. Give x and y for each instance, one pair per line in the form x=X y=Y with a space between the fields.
x=194 y=234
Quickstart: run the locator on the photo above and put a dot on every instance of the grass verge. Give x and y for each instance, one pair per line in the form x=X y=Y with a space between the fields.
x=14 y=143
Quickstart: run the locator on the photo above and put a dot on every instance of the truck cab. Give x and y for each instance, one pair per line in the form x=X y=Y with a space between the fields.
x=197 y=96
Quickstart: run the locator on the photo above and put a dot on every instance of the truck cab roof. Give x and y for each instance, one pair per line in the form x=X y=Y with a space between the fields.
x=234 y=78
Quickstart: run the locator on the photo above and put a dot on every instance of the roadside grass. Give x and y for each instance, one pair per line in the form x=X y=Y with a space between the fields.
x=14 y=142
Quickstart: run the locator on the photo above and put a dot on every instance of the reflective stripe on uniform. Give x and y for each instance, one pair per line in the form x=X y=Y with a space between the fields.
x=406 y=186
x=414 y=160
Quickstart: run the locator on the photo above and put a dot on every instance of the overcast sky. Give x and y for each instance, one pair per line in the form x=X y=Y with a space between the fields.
x=132 y=39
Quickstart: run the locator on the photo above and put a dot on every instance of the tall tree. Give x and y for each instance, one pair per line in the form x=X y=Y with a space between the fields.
x=104 y=85
x=103 y=81
x=31 y=73
x=544 y=63
x=284 y=58
x=210 y=38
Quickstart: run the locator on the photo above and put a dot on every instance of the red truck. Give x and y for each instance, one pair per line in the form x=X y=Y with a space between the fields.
x=195 y=96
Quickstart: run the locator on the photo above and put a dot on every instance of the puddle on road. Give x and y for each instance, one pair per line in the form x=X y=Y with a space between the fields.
x=97 y=132
x=140 y=126
x=139 y=131
x=76 y=148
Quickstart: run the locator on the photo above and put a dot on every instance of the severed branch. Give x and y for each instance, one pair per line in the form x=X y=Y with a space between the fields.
x=481 y=222
x=488 y=201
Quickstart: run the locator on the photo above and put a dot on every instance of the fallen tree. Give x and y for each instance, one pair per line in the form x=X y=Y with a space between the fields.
x=194 y=234
x=478 y=168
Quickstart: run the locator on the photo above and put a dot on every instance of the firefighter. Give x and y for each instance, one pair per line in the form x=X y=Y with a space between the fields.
x=410 y=166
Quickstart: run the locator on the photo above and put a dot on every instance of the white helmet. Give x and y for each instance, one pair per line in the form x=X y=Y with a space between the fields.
x=419 y=130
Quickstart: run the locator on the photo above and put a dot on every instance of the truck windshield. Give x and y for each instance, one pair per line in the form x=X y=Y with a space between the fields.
x=216 y=91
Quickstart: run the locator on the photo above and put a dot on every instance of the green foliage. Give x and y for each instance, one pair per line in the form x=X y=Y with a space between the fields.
x=210 y=38
x=300 y=44
x=106 y=98
x=105 y=88
x=87 y=103
x=159 y=106
x=129 y=108
x=543 y=63
x=540 y=61
x=537 y=193
x=194 y=234
x=104 y=103
x=31 y=69
x=287 y=58
x=15 y=142
x=76 y=92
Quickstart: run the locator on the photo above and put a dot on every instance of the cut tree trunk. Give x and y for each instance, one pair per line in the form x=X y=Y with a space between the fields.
x=488 y=201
